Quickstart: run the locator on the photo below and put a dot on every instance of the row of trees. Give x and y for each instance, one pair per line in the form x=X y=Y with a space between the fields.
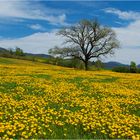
x=12 y=52
x=18 y=51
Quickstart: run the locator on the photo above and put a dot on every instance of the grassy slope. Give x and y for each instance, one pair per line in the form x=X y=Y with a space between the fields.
x=12 y=61
x=57 y=102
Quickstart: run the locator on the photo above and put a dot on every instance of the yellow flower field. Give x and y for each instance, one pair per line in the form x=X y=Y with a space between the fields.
x=45 y=101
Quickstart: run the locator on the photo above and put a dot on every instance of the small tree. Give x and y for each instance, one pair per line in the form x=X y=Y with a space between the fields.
x=87 y=40
x=98 y=64
x=133 y=67
x=19 y=52
x=11 y=51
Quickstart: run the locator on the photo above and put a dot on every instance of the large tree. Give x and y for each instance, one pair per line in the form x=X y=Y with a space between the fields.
x=86 y=40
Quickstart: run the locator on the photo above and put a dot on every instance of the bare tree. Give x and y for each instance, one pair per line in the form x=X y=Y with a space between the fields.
x=87 y=40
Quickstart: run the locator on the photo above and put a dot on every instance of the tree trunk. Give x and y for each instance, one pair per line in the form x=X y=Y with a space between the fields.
x=86 y=65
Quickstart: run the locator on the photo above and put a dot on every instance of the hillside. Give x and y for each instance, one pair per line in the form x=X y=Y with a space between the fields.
x=19 y=62
x=43 y=57
x=44 y=101
x=111 y=64
x=38 y=55
x=2 y=50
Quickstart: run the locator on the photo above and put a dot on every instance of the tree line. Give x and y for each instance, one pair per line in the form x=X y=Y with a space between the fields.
x=12 y=52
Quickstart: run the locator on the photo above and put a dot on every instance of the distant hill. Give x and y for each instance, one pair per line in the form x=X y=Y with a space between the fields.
x=39 y=55
x=2 y=50
x=111 y=64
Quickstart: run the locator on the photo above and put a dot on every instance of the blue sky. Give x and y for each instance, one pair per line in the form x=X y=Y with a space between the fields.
x=32 y=24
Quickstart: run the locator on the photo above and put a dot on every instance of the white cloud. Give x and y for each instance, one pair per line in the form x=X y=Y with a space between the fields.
x=31 y=10
x=35 y=43
x=36 y=27
x=126 y=15
x=126 y=55
x=129 y=36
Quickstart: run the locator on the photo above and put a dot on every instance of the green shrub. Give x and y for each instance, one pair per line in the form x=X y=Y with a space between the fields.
x=138 y=70
x=71 y=63
x=122 y=69
x=133 y=67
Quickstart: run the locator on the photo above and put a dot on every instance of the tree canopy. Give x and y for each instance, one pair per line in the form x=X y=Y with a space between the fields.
x=86 y=40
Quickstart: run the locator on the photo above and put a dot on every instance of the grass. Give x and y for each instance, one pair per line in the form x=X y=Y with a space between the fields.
x=49 y=102
x=6 y=61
